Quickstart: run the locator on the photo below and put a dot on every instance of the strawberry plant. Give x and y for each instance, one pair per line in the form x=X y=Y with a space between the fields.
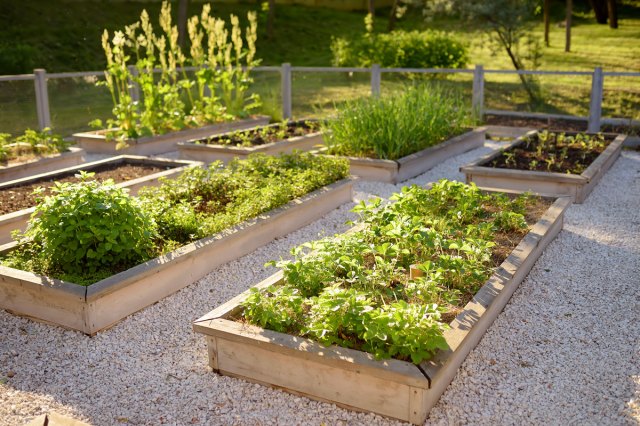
x=355 y=289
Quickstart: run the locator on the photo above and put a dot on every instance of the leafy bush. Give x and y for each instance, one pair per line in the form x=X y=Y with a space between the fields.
x=354 y=289
x=400 y=49
x=395 y=126
x=31 y=143
x=16 y=58
x=86 y=228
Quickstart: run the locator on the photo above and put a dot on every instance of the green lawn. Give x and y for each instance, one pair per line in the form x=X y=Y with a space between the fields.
x=64 y=36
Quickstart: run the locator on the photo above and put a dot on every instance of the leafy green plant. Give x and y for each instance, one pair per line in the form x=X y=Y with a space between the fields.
x=86 y=227
x=31 y=143
x=355 y=290
x=395 y=126
x=400 y=49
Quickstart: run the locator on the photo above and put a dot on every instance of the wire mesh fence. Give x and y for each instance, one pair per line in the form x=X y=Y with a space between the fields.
x=74 y=99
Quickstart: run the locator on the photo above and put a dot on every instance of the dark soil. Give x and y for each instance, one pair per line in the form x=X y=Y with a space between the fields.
x=537 y=123
x=265 y=135
x=558 y=156
x=21 y=197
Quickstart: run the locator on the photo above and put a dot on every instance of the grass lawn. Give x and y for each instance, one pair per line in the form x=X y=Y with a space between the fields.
x=65 y=36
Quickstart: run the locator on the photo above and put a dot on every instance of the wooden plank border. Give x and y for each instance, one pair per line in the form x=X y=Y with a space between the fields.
x=18 y=219
x=354 y=379
x=395 y=171
x=101 y=305
x=96 y=143
x=576 y=186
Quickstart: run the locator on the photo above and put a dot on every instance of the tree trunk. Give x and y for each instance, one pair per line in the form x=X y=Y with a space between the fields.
x=567 y=45
x=547 y=20
x=183 y=8
x=372 y=9
x=392 y=15
x=600 y=9
x=613 y=13
x=271 y=17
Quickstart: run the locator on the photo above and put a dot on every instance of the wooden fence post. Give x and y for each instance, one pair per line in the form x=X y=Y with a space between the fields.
x=477 y=98
x=42 y=98
x=595 y=106
x=376 y=78
x=285 y=87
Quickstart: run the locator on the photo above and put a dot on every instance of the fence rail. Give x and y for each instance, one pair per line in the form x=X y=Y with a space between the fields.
x=595 y=119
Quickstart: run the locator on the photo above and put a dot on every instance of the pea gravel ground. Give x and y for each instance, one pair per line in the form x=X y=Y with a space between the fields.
x=566 y=349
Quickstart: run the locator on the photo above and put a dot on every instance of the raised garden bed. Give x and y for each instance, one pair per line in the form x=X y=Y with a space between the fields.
x=355 y=379
x=13 y=171
x=511 y=167
x=271 y=140
x=394 y=171
x=96 y=142
x=132 y=172
x=99 y=305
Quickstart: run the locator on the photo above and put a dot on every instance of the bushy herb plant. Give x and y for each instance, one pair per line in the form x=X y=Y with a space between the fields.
x=354 y=289
x=31 y=143
x=85 y=229
x=395 y=126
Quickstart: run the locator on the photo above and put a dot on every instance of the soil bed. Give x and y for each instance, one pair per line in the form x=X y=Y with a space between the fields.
x=264 y=135
x=554 y=153
x=22 y=196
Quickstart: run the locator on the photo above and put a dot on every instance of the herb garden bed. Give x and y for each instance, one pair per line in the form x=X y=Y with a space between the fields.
x=352 y=378
x=576 y=163
x=14 y=171
x=273 y=139
x=101 y=304
x=132 y=172
x=394 y=171
x=96 y=142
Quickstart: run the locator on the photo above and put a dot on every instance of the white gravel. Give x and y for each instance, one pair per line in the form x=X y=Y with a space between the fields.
x=565 y=350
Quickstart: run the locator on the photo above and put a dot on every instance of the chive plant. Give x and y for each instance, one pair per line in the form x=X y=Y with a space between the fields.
x=395 y=126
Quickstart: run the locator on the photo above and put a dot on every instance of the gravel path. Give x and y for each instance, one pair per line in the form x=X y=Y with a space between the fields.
x=557 y=354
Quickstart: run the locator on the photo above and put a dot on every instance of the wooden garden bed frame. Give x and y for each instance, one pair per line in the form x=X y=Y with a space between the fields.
x=576 y=186
x=208 y=153
x=19 y=219
x=394 y=171
x=96 y=142
x=42 y=165
x=354 y=379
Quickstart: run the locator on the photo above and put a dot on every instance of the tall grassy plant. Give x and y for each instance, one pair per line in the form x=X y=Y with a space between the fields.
x=398 y=125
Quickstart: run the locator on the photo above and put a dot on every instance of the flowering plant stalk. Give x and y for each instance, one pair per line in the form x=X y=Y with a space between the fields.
x=139 y=59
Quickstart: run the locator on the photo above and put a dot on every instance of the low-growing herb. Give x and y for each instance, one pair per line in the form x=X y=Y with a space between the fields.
x=355 y=289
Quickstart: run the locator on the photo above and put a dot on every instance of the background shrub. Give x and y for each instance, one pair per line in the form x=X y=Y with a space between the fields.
x=401 y=49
